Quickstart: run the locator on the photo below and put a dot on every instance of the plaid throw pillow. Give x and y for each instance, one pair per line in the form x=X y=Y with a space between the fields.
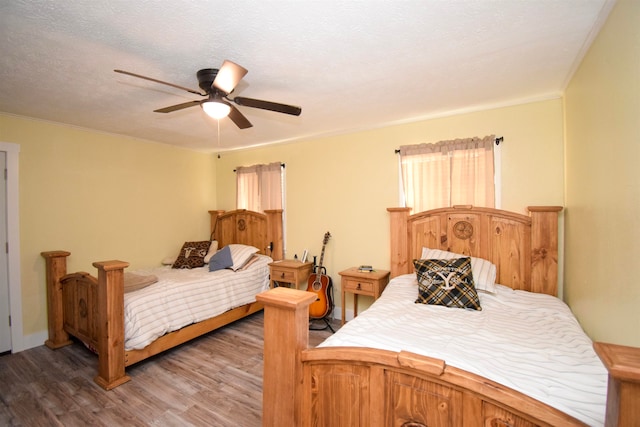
x=446 y=282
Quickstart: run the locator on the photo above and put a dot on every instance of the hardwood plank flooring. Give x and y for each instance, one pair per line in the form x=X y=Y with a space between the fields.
x=215 y=380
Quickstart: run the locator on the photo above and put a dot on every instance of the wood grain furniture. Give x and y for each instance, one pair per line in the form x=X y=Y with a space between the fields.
x=289 y=272
x=352 y=386
x=356 y=282
x=91 y=309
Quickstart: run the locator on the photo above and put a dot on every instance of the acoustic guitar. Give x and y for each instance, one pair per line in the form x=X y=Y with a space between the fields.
x=320 y=284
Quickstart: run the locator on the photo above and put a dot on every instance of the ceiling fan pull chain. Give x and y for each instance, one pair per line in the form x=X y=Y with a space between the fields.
x=218 y=134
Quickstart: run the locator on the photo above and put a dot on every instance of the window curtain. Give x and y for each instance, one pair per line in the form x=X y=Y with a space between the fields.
x=447 y=173
x=259 y=187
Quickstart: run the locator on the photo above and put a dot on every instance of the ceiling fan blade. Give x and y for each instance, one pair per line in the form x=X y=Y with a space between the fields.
x=229 y=75
x=267 y=105
x=161 y=82
x=177 y=107
x=238 y=118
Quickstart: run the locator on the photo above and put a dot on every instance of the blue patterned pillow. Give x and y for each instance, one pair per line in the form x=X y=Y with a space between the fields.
x=447 y=282
x=221 y=259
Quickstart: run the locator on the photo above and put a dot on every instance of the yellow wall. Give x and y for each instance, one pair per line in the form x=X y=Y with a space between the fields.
x=344 y=184
x=603 y=182
x=102 y=197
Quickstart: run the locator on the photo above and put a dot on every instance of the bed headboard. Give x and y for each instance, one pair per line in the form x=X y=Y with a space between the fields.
x=264 y=231
x=524 y=248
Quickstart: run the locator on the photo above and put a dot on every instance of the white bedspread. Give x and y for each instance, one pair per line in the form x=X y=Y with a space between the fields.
x=181 y=297
x=529 y=342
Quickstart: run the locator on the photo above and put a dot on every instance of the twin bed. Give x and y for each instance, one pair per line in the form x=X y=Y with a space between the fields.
x=522 y=359
x=178 y=305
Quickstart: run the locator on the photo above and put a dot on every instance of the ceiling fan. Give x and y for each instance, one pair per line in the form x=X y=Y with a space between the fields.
x=217 y=85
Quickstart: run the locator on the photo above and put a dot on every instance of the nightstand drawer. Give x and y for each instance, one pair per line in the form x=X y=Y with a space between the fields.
x=362 y=286
x=356 y=282
x=283 y=275
x=292 y=273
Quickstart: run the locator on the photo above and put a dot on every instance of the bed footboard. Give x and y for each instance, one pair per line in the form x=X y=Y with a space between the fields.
x=360 y=386
x=90 y=309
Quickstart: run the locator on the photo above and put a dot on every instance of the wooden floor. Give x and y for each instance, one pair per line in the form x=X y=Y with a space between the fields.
x=215 y=380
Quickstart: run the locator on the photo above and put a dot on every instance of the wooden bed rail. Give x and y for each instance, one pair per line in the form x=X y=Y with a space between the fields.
x=379 y=387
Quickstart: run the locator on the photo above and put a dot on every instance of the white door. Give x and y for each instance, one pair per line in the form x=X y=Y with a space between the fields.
x=5 y=328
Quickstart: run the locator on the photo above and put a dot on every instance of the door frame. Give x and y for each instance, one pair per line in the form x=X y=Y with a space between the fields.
x=13 y=238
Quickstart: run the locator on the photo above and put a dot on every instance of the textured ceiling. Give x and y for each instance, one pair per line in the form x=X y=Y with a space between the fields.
x=350 y=65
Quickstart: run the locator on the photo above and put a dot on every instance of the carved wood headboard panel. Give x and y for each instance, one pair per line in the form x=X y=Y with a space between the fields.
x=523 y=248
x=264 y=231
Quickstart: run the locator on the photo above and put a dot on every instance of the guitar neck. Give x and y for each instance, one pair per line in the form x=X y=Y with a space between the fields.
x=324 y=244
x=321 y=259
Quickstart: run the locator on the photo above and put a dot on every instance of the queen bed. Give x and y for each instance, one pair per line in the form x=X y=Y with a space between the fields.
x=515 y=356
x=128 y=317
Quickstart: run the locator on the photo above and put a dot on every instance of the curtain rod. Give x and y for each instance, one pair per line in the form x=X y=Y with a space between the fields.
x=498 y=140
x=281 y=165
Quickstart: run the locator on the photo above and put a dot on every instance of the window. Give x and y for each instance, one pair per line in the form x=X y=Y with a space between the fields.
x=447 y=173
x=260 y=187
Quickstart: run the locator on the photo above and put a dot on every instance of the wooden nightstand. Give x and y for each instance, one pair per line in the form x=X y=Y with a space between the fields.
x=290 y=272
x=361 y=283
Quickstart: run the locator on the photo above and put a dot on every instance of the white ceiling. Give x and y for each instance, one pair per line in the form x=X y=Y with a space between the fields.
x=350 y=65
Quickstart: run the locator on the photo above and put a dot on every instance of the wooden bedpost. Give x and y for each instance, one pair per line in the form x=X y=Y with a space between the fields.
x=274 y=233
x=544 y=249
x=111 y=320
x=399 y=241
x=623 y=390
x=56 y=268
x=286 y=334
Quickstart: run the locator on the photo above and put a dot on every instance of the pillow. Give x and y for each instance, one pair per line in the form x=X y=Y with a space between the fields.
x=447 y=282
x=169 y=260
x=249 y=263
x=240 y=254
x=192 y=254
x=484 y=272
x=212 y=250
x=221 y=259
x=133 y=282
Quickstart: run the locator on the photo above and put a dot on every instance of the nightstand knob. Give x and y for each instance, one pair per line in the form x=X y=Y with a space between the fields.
x=358 y=288
x=282 y=275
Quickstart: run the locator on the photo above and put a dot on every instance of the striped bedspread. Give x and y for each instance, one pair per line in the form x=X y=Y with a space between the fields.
x=529 y=342
x=182 y=297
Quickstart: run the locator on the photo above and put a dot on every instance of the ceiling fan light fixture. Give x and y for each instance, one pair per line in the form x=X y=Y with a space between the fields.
x=216 y=109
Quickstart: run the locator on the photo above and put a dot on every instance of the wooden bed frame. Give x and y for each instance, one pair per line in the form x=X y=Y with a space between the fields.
x=92 y=309
x=353 y=386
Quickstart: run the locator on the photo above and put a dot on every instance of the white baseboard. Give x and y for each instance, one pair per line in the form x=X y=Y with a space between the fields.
x=30 y=341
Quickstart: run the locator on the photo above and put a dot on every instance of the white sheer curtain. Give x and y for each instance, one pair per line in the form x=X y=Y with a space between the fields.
x=259 y=187
x=447 y=173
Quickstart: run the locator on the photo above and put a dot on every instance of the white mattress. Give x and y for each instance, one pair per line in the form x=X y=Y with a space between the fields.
x=529 y=342
x=182 y=297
